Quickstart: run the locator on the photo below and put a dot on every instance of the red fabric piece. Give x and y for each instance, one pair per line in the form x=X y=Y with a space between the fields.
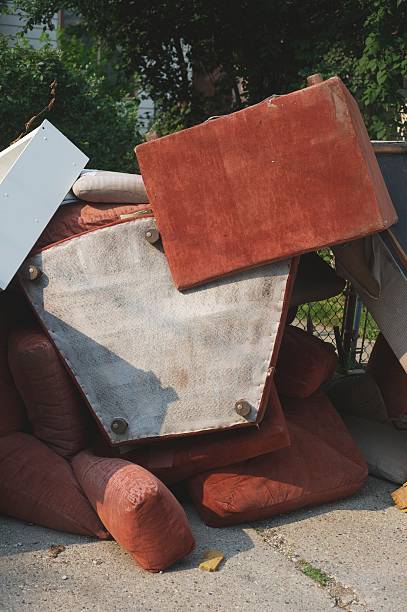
x=74 y=219
x=139 y=511
x=304 y=363
x=390 y=376
x=322 y=464
x=12 y=413
x=56 y=412
x=177 y=459
x=14 y=307
x=289 y=175
x=38 y=486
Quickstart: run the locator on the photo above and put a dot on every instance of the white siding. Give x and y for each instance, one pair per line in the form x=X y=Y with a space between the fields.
x=13 y=23
x=145 y=113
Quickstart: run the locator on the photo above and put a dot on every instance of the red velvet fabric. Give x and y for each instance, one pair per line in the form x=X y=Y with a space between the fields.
x=289 y=175
x=139 y=511
x=177 y=459
x=38 y=486
x=12 y=413
x=75 y=219
x=390 y=376
x=304 y=363
x=56 y=412
x=322 y=464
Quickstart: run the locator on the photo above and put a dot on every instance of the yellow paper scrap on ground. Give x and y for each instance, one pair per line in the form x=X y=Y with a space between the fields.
x=211 y=561
x=400 y=498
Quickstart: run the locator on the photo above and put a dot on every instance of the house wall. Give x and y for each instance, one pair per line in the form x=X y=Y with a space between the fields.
x=13 y=23
x=145 y=113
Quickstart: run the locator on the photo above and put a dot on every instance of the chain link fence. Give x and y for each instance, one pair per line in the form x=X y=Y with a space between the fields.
x=342 y=320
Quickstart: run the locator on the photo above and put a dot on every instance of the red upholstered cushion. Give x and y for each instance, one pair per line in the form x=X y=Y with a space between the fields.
x=75 y=219
x=265 y=183
x=390 y=376
x=12 y=413
x=14 y=307
x=321 y=465
x=38 y=486
x=181 y=458
x=55 y=410
x=139 y=511
x=304 y=363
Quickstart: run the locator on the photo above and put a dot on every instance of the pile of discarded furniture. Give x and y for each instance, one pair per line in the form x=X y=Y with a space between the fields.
x=147 y=343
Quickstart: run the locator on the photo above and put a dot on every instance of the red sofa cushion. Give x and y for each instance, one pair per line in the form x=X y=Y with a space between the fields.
x=75 y=219
x=38 y=486
x=321 y=465
x=12 y=413
x=56 y=412
x=178 y=459
x=390 y=376
x=304 y=363
x=258 y=185
x=139 y=511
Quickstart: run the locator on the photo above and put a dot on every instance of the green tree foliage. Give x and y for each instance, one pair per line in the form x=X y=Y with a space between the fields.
x=268 y=46
x=374 y=66
x=99 y=116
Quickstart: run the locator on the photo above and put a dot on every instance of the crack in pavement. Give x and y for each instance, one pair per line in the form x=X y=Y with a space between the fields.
x=342 y=596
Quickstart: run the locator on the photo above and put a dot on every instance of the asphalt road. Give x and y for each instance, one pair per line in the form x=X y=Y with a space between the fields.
x=350 y=555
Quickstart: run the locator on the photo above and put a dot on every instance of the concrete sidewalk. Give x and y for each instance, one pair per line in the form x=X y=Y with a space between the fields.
x=351 y=554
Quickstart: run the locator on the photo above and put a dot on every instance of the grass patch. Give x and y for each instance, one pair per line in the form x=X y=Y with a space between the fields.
x=314 y=573
x=326 y=313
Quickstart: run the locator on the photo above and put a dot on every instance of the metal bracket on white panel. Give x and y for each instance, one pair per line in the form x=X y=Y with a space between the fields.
x=36 y=172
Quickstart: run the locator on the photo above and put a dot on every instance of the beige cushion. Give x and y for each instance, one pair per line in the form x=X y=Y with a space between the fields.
x=383 y=447
x=110 y=187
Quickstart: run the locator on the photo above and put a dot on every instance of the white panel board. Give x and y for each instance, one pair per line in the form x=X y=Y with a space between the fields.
x=35 y=174
x=389 y=310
